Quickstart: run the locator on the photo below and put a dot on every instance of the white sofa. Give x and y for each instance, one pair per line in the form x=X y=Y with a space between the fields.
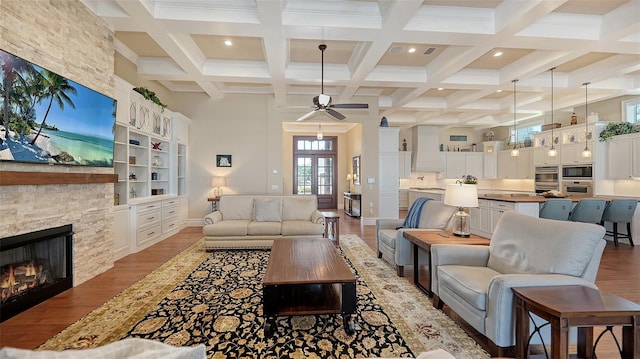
x=476 y=281
x=395 y=249
x=244 y=221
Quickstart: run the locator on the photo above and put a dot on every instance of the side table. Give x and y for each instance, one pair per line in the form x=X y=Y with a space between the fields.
x=582 y=307
x=214 y=203
x=332 y=227
x=424 y=240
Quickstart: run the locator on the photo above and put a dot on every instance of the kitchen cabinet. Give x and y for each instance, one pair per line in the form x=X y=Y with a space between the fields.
x=624 y=156
x=572 y=154
x=524 y=164
x=403 y=198
x=490 y=165
x=519 y=167
x=485 y=217
x=458 y=164
x=540 y=157
x=404 y=164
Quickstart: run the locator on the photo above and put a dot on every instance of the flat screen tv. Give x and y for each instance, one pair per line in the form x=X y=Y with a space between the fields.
x=47 y=118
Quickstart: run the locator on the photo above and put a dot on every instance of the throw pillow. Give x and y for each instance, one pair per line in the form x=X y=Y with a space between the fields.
x=267 y=210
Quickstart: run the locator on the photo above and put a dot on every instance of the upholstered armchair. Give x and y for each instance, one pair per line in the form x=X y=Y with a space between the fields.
x=476 y=281
x=398 y=251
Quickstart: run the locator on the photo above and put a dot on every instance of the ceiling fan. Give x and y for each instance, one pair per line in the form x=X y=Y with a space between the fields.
x=322 y=102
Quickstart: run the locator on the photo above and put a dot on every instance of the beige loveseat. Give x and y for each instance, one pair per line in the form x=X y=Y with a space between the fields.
x=256 y=221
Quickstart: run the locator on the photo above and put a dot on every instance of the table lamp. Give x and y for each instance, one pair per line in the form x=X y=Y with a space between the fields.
x=217 y=182
x=461 y=195
x=349 y=182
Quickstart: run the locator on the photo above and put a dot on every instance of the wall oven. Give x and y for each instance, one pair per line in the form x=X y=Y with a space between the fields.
x=577 y=172
x=547 y=178
x=577 y=188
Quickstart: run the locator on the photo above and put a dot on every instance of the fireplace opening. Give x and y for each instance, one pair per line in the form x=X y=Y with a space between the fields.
x=34 y=267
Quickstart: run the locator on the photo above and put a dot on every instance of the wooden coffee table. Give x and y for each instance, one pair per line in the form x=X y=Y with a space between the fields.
x=424 y=240
x=582 y=307
x=307 y=276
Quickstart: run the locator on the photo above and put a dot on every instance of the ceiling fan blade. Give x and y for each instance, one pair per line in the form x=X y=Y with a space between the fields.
x=335 y=114
x=307 y=115
x=350 y=105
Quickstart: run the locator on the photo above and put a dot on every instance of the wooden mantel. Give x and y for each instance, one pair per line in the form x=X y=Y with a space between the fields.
x=12 y=178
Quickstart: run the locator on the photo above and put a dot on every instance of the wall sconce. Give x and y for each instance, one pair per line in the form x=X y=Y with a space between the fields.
x=217 y=182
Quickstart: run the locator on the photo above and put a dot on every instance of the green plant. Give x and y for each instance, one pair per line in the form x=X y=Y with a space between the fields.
x=150 y=95
x=469 y=179
x=617 y=128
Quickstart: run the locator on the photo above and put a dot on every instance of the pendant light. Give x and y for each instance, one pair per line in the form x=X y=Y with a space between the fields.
x=552 y=152
x=515 y=152
x=319 y=134
x=586 y=153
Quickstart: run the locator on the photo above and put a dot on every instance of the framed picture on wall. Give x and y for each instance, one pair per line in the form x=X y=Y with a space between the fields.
x=223 y=160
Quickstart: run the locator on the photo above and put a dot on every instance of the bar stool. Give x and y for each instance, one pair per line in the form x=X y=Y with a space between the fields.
x=620 y=211
x=588 y=210
x=556 y=208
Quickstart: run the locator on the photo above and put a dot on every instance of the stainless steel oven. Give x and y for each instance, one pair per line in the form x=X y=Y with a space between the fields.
x=547 y=178
x=577 y=172
x=577 y=188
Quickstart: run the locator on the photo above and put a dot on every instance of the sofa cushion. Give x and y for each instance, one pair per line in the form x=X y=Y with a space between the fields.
x=298 y=208
x=236 y=207
x=388 y=237
x=545 y=245
x=267 y=210
x=301 y=228
x=435 y=214
x=470 y=283
x=256 y=228
x=231 y=227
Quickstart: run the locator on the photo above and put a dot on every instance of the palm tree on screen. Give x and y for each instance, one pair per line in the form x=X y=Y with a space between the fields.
x=11 y=68
x=56 y=88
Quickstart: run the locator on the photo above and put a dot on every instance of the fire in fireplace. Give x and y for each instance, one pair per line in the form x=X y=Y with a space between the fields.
x=34 y=266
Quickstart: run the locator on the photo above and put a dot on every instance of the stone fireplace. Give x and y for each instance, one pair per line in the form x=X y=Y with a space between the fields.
x=34 y=267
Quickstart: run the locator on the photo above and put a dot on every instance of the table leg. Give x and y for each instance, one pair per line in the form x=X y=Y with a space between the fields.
x=416 y=271
x=522 y=330
x=336 y=231
x=349 y=300
x=559 y=338
x=585 y=342
x=631 y=339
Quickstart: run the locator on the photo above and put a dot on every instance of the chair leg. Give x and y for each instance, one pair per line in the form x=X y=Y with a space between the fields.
x=615 y=233
x=400 y=271
x=379 y=254
x=629 y=233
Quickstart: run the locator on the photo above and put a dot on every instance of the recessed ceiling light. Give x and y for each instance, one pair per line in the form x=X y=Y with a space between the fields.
x=396 y=49
x=228 y=42
x=498 y=90
x=497 y=53
x=440 y=88
x=412 y=50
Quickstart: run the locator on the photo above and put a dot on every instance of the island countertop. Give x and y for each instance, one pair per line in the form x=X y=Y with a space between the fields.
x=516 y=198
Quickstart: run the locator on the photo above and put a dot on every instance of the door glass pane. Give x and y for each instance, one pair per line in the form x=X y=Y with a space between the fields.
x=304 y=175
x=325 y=175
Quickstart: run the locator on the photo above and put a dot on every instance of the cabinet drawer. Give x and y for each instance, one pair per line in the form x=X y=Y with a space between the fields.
x=169 y=225
x=483 y=203
x=149 y=233
x=147 y=217
x=150 y=206
x=502 y=205
x=168 y=212
x=170 y=202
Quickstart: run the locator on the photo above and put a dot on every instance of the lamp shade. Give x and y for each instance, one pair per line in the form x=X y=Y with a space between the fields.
x=218 y=181
x=349 y=177
x=461 y=195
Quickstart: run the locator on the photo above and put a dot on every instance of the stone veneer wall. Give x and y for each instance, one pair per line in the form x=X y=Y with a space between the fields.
x=67 y=38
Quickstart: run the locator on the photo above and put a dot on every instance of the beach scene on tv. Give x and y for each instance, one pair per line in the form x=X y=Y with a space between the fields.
x=46 y=118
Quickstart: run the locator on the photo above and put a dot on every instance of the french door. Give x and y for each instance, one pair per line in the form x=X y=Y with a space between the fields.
x=314 y=168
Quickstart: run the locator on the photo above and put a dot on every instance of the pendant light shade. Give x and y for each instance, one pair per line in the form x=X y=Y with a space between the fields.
x=552 y=151
x=319 y=134
x=515 y=152
x=586 y=153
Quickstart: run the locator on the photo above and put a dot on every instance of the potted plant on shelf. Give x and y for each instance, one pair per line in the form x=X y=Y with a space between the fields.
x=150 y=95
x=617 y=128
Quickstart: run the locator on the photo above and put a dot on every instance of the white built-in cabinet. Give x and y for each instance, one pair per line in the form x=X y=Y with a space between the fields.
x=519 y=167
x=458 y=164
x=404 y=164
x=490 y=165
x=623 y=154
x=572 y=154
x=540 y=157
x=150 y=159
x=485 y=217
x=387 y=172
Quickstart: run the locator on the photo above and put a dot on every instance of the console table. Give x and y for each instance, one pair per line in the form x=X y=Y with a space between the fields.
x=352 y=204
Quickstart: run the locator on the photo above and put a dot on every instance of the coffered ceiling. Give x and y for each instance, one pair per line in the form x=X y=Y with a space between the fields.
x=453 y=77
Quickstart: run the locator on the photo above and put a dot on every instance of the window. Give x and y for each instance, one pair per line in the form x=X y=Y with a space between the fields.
x=525 y=132
x=631 y=110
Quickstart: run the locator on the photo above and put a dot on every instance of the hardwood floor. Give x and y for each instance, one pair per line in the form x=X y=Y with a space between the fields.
x=619 y=274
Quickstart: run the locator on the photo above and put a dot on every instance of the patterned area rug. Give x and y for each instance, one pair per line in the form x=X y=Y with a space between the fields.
x=215 y=299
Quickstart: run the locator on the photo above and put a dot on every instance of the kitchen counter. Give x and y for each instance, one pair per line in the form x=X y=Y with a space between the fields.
x=516 y=198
